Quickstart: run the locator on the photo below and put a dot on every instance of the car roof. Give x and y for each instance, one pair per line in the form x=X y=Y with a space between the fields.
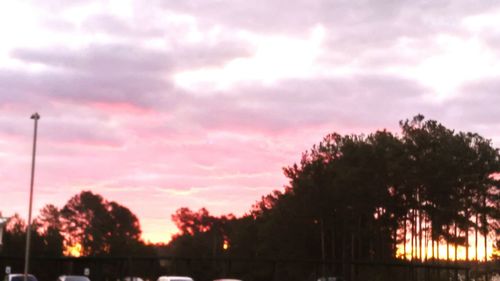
x=17 y=275
x=177 y=277
x=75 y=276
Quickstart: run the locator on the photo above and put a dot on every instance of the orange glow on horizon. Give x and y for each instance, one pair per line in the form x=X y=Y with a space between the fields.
x=225 y=245
x=73 y=250
x=445 y=253
x=156 y=237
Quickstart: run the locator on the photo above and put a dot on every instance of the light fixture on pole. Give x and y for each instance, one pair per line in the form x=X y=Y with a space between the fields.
x=35 y=117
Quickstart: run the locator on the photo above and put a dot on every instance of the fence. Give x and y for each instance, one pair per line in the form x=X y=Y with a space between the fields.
x=201 y=269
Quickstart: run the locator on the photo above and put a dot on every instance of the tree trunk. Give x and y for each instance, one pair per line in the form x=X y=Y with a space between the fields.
x=456 y=242
x=431 y=236
x=437 y=248
x=334 y=256
x=371 y=248
x=486 y=246
x=353 y=250
x=420 y=234
x=476 y=238
x=360 y=248
x=353 y=272
x=432 y=243
x=466 y=243
x=448 y=244
x=404 y=238
x=419 y=226
x=485 y=218
x=414 y=235
x=447 y=251
x=345 y=269
x=426 y=239
x=323 y=264
x=395 y=240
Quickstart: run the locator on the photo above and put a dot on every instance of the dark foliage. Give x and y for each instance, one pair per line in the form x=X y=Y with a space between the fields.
x=359 y=197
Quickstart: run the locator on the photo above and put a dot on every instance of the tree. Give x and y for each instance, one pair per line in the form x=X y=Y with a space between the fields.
x=190 y=222
x=361 y=197
x=99 y=226
x=369 y=194
x=14 y=238
x=126 y=234
x=49 y=228
x=210 y=230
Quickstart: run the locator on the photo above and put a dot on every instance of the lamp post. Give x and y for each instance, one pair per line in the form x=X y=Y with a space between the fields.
x=35 y=117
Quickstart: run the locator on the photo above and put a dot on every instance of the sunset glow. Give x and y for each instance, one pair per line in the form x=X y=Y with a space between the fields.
x=198 y=104
x=225 y=245
x=448 y=253
x=74 y=250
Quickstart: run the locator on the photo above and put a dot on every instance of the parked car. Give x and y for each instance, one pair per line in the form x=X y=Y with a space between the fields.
x=19 y=277
x=73 y=278
x=134 y=278
x=330 y=278
x=174 y=278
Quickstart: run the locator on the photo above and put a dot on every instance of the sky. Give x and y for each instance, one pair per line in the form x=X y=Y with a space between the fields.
x=182 y=103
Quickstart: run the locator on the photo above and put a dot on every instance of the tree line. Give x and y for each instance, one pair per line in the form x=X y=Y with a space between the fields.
x=380 y=196
x=87 y=224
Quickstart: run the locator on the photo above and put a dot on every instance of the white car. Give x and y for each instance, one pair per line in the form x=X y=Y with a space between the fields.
x=73 y=278
x=330 y=278
x=19 y=277
x=174 y=278
x=133 y=279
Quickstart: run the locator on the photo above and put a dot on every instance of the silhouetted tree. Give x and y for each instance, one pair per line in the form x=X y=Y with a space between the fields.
x=49 y=228
x=126 y=231
x=14 y=238
x=99 y=226
x=359 y=197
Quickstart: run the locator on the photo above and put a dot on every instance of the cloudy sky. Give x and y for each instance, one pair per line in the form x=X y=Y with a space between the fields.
x=164 y=104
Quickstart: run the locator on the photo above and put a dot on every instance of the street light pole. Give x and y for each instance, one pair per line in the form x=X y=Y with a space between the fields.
x=35 y=117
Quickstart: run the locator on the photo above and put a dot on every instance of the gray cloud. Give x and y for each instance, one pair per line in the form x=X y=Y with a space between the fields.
x=88 y=131
x=383 y=18
x=361 y=100
x=139 y=89
x=361 y=31
x=109 y=73
x=112 y=25
x=357 y=30
x=106 y=59
x=127 y=59
x=477 y=103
